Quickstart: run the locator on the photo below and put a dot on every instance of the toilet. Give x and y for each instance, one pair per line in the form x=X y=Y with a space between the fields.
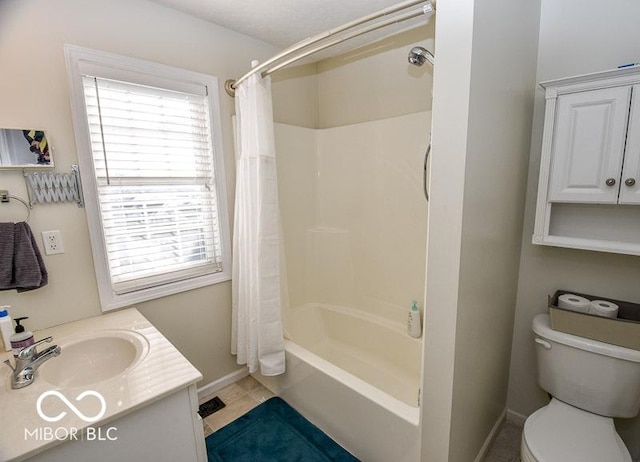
x=590 y=383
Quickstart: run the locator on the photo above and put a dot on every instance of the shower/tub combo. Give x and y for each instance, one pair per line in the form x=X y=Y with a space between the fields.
x=355 y=240
x=354 y=232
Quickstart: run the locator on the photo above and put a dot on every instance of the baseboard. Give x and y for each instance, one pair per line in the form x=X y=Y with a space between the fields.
x=484 y=450
x=217 y=385
x=516 y=418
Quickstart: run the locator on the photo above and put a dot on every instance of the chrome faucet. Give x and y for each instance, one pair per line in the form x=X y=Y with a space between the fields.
x=28 y=361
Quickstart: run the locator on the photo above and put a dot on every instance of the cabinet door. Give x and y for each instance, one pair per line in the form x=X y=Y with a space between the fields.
x=630 y=187
x=588 y=146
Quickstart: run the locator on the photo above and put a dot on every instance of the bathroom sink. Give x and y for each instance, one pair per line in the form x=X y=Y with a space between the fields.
x=89 y=360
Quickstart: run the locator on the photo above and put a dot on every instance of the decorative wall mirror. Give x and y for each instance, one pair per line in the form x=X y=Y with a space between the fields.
x=24 y=148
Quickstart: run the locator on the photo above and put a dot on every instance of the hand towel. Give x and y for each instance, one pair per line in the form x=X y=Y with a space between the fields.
x=29 y=269
x=21 y=264
x=6 y=255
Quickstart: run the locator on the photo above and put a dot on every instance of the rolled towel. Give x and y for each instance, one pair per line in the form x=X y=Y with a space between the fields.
x=604 y=308
x=574 y=303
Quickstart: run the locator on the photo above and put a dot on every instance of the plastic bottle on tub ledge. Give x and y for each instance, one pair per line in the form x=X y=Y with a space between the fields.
x=414 y=325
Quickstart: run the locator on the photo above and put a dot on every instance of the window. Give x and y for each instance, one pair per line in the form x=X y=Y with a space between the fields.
x=150 y=153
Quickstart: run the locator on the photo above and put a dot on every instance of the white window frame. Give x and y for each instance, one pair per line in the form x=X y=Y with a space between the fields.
x=85 y=61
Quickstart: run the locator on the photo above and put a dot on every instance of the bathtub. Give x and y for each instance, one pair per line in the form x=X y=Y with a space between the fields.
x=356 y=377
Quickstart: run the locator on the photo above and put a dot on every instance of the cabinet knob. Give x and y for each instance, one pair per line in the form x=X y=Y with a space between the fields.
x=610 y=181
x=630 y=181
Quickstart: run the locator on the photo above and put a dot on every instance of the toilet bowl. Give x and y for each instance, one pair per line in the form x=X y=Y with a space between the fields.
x=590 y=383
x=559 y=432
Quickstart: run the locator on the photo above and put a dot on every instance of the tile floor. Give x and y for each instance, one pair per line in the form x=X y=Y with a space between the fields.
x=506 y=446
x=244 y=395
x=240 y=397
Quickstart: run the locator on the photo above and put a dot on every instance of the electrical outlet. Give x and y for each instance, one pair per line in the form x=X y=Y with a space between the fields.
x=52 y=242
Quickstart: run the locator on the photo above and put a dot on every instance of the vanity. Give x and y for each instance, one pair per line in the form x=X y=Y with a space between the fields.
x=118 y=391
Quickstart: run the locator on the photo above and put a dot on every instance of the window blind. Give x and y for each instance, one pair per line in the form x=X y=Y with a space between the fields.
x=153 y=162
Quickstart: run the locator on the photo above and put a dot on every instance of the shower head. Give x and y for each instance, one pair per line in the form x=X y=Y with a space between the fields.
x=418 y=55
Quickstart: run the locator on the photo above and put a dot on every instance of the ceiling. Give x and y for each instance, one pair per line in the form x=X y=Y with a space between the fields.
x=278 y=22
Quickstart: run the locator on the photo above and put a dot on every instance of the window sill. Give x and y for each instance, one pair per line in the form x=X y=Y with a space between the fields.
x=111 y=301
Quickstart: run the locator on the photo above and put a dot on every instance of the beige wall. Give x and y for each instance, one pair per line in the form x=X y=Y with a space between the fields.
x=295 y=96
x=33 y=93
x=505 y=34
x=371 y=82
x=576 y=37
x=483 y=99
x=375 y=81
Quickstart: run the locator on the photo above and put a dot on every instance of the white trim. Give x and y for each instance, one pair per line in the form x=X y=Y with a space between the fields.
x=5 y=153
x=604 y=79
x=77 y=59
x=516 y=418
x=131 y=298
x=625 y=248
x=484 y=450
x=153 y=70
x=211 y=388
x=200 y=444
x=541 y=226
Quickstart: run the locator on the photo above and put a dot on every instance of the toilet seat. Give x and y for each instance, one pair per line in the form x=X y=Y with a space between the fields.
x=559 y=432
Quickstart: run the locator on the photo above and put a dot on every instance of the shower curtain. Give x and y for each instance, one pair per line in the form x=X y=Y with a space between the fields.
x=256 y=337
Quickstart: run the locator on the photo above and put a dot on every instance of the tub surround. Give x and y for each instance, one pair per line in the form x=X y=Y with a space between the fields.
x=344 y=205
x=158 y=372
x=373 y=349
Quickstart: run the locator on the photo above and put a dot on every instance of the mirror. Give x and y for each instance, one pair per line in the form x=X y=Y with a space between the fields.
x=21 y=148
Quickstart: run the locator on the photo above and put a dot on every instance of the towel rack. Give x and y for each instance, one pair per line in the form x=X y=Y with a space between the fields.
x=5 y=197
x=49 y=187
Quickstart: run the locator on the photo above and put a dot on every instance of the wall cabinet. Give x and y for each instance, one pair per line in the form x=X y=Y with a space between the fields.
x=589 y=185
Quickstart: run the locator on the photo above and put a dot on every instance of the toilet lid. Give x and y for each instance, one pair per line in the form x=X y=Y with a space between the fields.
x=559 y=432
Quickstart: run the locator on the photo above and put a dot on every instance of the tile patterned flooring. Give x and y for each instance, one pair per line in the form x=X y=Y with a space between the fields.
x=244 y=395
x=506 y=445
x=240 y=397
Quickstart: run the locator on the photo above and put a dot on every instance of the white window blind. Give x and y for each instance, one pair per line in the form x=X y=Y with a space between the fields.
x=153 y=162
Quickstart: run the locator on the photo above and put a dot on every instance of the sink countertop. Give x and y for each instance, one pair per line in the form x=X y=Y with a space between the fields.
x=161 y=372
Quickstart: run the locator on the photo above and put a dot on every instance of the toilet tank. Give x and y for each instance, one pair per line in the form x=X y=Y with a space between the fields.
x=594 y=376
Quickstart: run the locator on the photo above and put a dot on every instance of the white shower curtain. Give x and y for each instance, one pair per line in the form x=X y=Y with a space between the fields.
x=256 y=337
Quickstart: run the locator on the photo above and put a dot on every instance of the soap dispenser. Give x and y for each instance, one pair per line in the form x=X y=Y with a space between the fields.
x=22 y=338
x=414 y=325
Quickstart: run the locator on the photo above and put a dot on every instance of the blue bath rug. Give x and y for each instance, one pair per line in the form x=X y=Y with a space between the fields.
x=273 y=432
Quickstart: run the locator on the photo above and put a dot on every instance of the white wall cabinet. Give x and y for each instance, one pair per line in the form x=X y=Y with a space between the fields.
x=589 y=185
x=630 y=187
x=588 y=147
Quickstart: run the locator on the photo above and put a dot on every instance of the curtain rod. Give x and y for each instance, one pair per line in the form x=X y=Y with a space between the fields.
x=428 y=9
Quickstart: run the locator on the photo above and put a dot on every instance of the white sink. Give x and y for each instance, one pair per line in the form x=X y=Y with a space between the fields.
x=120 y=357
x=89 y=360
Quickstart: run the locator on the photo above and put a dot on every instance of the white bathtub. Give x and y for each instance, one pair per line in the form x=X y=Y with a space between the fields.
x=354 y=376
